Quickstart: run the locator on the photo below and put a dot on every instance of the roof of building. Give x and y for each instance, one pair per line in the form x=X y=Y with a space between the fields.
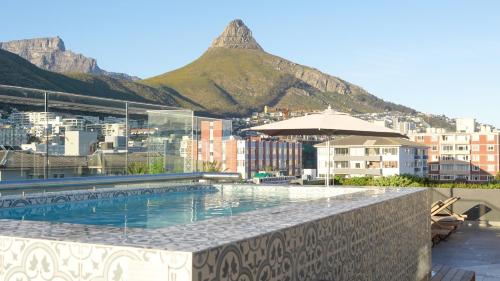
x=23 y=159
x=371 y=141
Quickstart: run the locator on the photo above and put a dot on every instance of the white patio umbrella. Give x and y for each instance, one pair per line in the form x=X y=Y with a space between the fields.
x=329 y=123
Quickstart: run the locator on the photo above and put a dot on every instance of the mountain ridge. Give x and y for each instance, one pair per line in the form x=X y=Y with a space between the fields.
x=50 y=53
x=236 y=76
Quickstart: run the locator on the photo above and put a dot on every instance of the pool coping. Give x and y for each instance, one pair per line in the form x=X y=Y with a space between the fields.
x=210 y=233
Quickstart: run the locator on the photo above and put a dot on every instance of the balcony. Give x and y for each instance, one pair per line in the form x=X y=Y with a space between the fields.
x=362 y=171
x=357 y=158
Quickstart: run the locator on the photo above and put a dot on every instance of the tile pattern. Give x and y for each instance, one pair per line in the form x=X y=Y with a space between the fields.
x=383 y=241
x=33 y=259
x=19 y=201
x=372 y=234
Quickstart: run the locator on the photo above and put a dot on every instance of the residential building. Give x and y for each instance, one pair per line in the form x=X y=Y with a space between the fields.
x=358 y=156
x=13 y=135
x=255 y=155
x=79 y=143
x=113 y=129
x=229 y=153
x=74 y=124
x=463 y=155
x=465 y=125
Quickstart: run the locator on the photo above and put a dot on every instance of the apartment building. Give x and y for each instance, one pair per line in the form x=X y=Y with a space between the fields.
x=468 y=154
x=245 y=156
x=12 y=135
x=358 y=156
x=254 y=155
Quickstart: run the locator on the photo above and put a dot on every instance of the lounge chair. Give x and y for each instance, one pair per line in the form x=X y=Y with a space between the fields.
x=443 y=220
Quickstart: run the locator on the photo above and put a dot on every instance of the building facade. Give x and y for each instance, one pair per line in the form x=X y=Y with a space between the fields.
x=462 y=156
x=13 y=135
x=358 y=156
x=228 y=153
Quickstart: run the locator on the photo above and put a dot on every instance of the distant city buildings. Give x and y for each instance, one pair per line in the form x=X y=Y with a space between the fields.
x=13 y=135
x=469 y=154
x=358 y=156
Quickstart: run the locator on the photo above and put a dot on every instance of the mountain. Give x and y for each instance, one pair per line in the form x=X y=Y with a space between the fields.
x=17 y=71
x=236 y=76
x=51 y=54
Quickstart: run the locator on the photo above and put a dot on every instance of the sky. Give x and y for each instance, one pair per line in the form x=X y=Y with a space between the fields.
x=440 y=57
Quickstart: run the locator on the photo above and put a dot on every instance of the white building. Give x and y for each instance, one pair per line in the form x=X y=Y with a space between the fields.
x=113 y=129
x=79 y=143
x=74 y=124
x=466 y=125
x=54 y=148
x=358 y=156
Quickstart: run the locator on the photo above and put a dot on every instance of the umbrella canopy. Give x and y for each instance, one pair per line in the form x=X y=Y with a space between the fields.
x=328 y=122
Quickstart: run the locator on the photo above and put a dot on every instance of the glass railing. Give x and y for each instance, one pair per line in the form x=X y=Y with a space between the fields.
x=47 y=135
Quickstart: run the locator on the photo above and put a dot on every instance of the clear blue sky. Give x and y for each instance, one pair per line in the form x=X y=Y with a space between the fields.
x=435 y=56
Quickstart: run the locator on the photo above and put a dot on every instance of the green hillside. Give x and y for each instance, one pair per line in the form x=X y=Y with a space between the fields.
x=16 y=71
x=239 y=81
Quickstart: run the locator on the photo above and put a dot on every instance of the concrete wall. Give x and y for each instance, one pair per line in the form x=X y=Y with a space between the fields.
x=477 y=204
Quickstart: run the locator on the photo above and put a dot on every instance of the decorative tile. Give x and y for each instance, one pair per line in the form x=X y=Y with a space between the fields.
x=370 y=234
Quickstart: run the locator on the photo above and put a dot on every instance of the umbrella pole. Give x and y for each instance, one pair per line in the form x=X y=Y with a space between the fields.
x=328 y=163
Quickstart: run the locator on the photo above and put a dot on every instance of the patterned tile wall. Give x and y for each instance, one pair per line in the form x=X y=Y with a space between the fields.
x=383 y=241
x=24 y=259
x=16 y=201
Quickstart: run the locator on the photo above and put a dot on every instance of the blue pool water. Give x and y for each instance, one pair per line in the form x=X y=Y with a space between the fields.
x=157 y=211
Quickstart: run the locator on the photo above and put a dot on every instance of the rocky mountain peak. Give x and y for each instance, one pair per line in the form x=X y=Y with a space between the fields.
x=50 y=53
x=236 y=35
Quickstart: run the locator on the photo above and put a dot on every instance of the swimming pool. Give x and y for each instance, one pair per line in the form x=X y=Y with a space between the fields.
x=167 y=209
x=230 y=232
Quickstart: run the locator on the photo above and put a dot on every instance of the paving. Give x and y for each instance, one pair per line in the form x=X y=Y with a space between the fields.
x=472 y=247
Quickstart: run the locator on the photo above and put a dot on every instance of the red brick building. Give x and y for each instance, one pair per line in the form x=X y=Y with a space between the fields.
x=473 y=156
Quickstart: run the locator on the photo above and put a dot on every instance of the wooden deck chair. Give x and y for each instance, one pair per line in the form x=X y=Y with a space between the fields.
x=441 y=212
x=443 y=220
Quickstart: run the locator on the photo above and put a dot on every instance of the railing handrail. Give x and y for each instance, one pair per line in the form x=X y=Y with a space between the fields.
x=106 y=180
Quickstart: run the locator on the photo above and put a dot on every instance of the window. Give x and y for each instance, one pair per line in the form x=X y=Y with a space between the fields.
x=491 y=158
x=341 y=164
x=463 y=157
x=434 y=167
x=341 y=151
x=447 y=177
x=434 y=148
x=435 y=177
x=447 y=148
x=475 y=168
x=475 y=147
x=357 y=165
x=390 y=164
x=434 y=138
x=447 y=157
x=491 y=147
x=491 y=137
x=462 y=167
x=475 y=137
x=372 y=151
x=390 y=151
x=491 y=168
x=475 y=158
x=462 y=147
x=447 y=167
x=420 y=138
x=435 y=158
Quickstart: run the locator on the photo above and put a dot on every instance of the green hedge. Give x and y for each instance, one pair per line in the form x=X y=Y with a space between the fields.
x=410 y=181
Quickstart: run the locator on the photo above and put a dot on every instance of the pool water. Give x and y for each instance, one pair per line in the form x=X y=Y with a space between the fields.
x=163 y=210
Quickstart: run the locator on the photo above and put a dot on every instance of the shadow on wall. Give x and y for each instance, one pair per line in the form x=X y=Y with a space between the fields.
x=477 y=204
